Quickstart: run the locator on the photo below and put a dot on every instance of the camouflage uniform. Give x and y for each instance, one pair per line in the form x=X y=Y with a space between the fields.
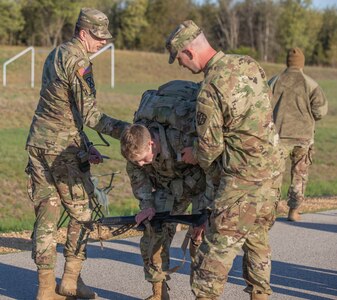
x=234 y=120
x=168 y=184
x=298 y=102
x=56 y=137
x=234 y=125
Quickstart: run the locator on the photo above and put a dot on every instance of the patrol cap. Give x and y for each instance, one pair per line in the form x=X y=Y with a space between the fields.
x=96 y=21
x=185 y=33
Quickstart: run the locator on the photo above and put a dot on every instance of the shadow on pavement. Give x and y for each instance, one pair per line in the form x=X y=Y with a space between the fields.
x=304 y=279
x=21 y=284
x=20 y=244
x=309 y=225
x=284 y=275
x=287 y=279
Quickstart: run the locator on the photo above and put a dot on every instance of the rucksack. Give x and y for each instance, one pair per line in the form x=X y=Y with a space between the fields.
x=173 y=105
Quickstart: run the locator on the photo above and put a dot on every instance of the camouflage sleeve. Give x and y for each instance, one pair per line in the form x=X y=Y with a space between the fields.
x=109 y=126
x=141 y=185
x=209 y=127
x=85 y=96
x=319 y=103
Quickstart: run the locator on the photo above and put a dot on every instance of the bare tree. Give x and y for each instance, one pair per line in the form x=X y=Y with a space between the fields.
x=228 y=24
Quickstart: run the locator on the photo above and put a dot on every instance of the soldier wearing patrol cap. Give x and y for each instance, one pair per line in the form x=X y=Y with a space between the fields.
x=234 y=125
x=60 y=155
x=95 y=21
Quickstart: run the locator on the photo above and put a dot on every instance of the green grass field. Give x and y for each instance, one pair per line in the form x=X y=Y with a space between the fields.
x=135 y=72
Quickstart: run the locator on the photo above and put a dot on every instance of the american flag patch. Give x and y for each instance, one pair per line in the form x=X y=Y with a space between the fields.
x=84 y=71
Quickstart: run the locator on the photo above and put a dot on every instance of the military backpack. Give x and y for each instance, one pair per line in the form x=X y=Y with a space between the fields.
x=172 y=105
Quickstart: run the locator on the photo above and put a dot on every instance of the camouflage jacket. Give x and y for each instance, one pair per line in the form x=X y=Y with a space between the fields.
x=167 y=172
x=67 y=102
x=298 y=102
x=234 y=120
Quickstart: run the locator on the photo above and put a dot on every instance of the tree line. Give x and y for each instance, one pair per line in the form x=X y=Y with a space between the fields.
x=264 y=29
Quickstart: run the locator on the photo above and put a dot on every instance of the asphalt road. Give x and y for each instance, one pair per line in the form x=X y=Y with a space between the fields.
x=304 y=266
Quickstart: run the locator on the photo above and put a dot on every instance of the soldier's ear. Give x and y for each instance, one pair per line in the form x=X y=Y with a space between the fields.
x=189 y=53
x=82 y=34
x=152 y=145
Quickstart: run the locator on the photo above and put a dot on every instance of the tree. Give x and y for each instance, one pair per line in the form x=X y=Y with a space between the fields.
x=292 y=25
x=163 y=16
x=11 y=21
x=325 y=51
x=228 y=24
x=132 y=22
x=247 y=15
x=266 y=29
x=205 y=16
x=47 y=18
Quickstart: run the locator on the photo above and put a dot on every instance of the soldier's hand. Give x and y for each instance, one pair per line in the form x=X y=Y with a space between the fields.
x=147 y=213
x=188 y=156
x=198 y=232
x=95 y=156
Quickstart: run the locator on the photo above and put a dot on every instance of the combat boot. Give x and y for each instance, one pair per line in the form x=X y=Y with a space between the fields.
x=160 y=291
x=72 y=283
x=259 y=296
x=293 y=215
x=282 y=208
x=47 y=285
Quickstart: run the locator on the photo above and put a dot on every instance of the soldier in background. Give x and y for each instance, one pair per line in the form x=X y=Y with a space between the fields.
x=234 y=124
x=160 y=180
x=298 y=102
x=60 y=155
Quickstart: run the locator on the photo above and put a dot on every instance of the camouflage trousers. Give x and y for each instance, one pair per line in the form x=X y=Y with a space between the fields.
x=301 y=159
x=241 y=219
x=155 y=242
x=55 y=180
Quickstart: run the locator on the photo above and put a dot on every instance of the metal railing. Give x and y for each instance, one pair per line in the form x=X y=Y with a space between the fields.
x=111 y=45
x=4 y=78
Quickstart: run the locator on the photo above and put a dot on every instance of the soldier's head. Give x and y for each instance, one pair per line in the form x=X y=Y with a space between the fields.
x=188 y=44
x=137 y=144
x=295 y=58
x=92 y=29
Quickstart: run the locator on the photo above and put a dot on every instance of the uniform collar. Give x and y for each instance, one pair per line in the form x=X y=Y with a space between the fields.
x=293 y=69
x=78 y=43
x=219 y=55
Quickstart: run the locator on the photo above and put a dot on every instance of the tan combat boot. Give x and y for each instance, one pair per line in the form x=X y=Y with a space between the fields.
x=72 y=283
x=47 y=286
x=160 y=291
x=293 y=215
x=259 y=296
x=282 y=208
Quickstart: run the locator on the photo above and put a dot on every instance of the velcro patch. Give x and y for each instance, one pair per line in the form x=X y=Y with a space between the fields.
x=89 y=80
x=83 y=71
x=201 y=118
x=86 y=76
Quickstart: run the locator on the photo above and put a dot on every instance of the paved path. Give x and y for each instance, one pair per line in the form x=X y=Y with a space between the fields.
x=304 y=266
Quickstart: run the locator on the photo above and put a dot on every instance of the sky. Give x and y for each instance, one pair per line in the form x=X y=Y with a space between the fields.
x=321 y=4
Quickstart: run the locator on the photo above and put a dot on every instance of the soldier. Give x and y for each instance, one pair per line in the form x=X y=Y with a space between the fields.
x=60 y=154
x=159 y=179
x=234 y=124
x=298 y=102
